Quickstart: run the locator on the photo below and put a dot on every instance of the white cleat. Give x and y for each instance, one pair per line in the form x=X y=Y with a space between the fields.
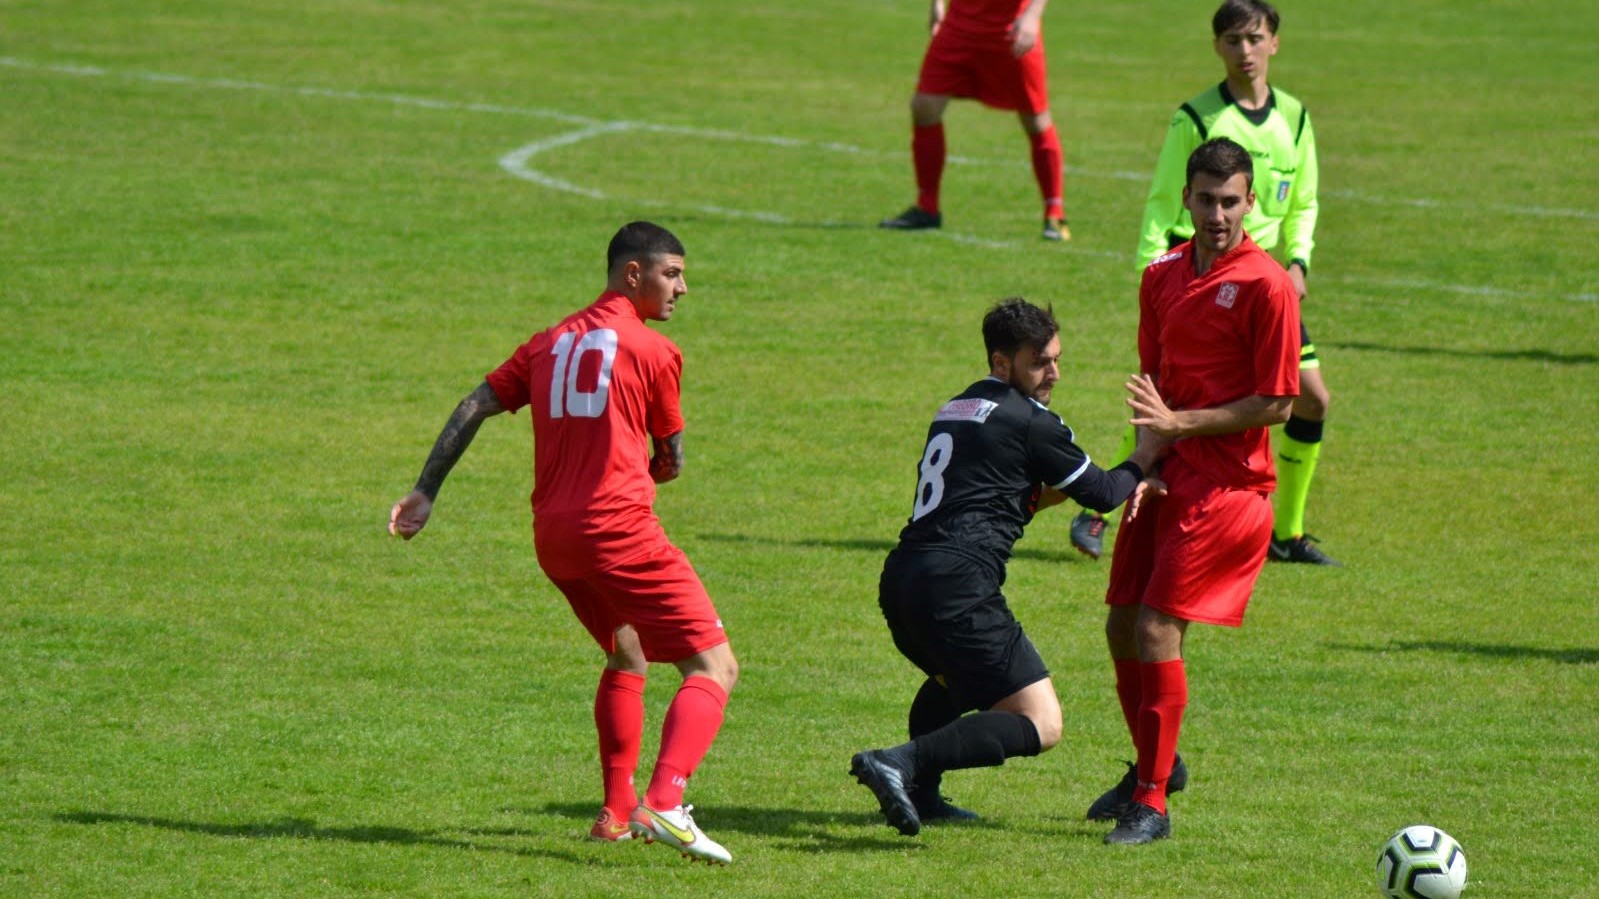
x=676 y=828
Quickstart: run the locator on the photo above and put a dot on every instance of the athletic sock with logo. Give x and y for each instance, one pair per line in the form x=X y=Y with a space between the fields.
x=692 y=721
x=927 y=152
x=1160 y=717
x=1298 y=448
x=619 y=718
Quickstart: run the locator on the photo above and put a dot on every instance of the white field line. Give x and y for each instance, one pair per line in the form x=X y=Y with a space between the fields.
x=515 y=162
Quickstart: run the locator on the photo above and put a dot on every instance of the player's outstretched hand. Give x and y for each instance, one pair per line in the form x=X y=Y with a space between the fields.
x=1148 y=490
x=1149 y=410
x=410 y=514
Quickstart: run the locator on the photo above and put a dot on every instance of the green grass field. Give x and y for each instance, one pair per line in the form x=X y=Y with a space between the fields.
x=252 y=253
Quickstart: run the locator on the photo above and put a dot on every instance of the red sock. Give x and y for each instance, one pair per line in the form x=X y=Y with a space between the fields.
x=1048 y=162
x=691 y=725
x=1130 y=690
x=1159 y=718
x=619 y=717
x=927 y=151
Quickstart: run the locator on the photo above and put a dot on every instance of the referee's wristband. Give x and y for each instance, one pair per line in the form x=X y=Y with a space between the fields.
x=1303 y=265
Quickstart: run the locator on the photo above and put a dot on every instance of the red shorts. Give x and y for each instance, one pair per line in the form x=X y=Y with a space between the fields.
x=1194 y=553
x=659 y=594
x=960 y=66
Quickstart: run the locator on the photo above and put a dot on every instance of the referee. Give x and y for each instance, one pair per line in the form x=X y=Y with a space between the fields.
x=995 y=454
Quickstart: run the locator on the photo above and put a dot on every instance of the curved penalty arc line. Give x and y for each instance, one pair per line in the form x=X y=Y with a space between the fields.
x=517 y=164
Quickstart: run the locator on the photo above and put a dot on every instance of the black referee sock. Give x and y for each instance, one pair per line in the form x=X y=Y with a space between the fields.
x=982 y=740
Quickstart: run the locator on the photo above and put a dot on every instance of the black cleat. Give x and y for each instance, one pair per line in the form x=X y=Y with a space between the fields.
x=1088 y=533
x=1113 y=804
x=1138 y=825
x=880 y=771
x=914 y=219
x=939 y=810
x=1057 y=229
x=1299 y=549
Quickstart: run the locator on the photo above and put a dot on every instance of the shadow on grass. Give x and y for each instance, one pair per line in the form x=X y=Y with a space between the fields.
x=861 y=544
x=306 y=829
x=1506 y=355
x=793 y=829
x=1490 y=650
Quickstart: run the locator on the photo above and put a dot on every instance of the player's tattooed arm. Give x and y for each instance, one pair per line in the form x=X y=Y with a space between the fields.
x=667 y=463
x=456 y=437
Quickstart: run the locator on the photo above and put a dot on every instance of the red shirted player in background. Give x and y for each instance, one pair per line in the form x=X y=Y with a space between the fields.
x=991 y=51
x=602 y=385
x=1218 y=340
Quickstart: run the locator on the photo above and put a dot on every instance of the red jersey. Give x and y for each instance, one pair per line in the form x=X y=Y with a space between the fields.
x=600 y=384
x=1230 y=333
x=982 y=18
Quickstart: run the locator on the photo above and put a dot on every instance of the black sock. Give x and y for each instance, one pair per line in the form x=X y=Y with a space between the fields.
x=982 y=740
x=932 y=708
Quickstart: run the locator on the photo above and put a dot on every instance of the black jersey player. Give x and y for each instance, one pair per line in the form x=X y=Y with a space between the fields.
x=994 y=455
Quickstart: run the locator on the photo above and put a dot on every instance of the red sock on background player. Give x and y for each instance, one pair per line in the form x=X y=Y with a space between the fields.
x=1048 y=168
x=928 y=152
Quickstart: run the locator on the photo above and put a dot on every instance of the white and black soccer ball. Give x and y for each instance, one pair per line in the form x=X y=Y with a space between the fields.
x=1421 y=862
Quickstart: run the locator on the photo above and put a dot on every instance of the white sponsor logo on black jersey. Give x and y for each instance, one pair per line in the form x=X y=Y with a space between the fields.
x=966 y=410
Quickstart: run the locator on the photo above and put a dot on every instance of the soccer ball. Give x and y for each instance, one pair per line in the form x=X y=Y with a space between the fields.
x=1421 y=862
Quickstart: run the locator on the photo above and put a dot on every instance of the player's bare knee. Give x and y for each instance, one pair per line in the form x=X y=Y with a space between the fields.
x=717 y=663
x=627 y=653
x=1036 y=123
x=728 y=672
x=927 y=109
x=1049 y=727
x=1120 y=633
x=1312 y=404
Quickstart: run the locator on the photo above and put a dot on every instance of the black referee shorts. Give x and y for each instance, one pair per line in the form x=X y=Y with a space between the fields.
x=948 y=617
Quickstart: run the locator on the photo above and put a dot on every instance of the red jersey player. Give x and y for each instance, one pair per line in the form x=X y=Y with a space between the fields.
x=601 y=385
x=991 y=51
x=1218 y=340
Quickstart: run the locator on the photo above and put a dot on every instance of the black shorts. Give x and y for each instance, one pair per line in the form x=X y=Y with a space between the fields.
x=1307 y=348
x=948 y=617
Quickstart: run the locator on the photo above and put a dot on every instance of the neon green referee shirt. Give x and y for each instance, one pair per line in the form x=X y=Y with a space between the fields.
x=1281 y=140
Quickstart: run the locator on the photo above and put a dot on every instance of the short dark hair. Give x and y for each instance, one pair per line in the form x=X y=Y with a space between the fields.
x=1014 y=323
x=1222 y=158
x=1233 y=13
x=640 y=241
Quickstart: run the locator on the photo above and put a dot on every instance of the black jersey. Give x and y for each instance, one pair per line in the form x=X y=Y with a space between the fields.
x=989 y=453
